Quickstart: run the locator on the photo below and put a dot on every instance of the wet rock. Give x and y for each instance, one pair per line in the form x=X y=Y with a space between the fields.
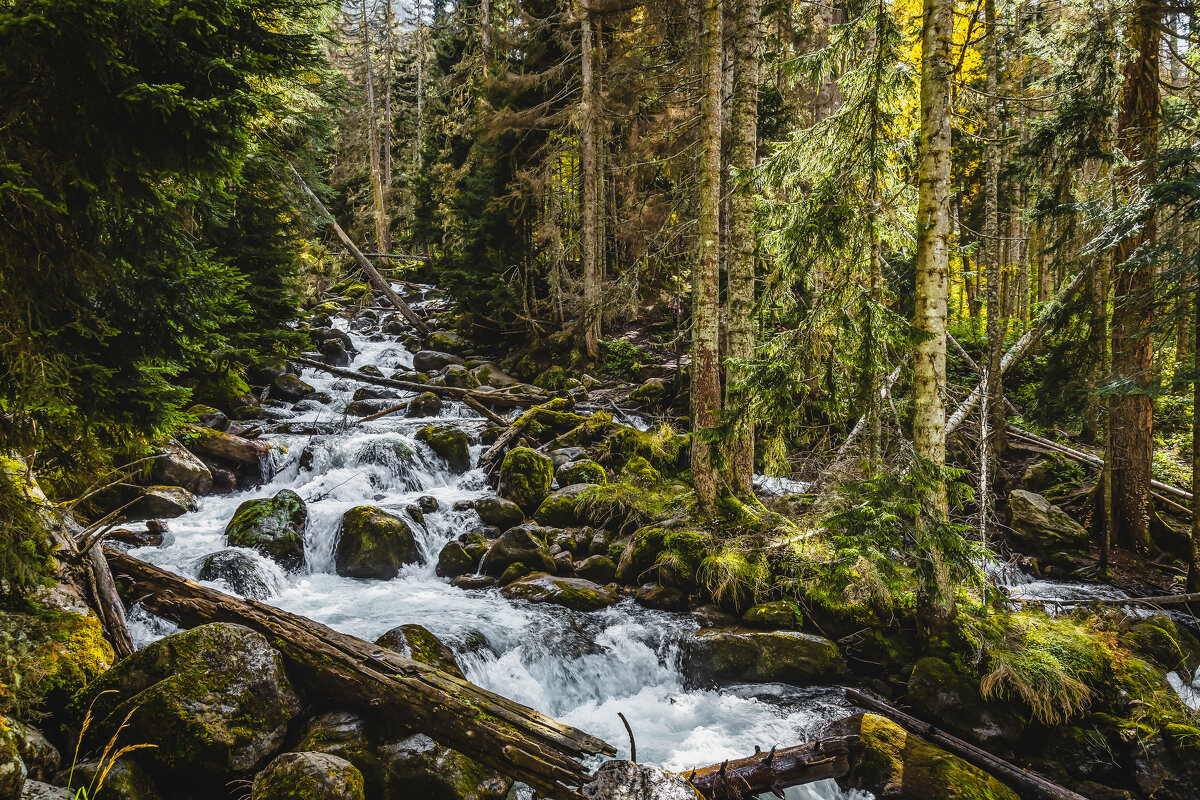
x=290 y=388
x=625 y=780
x=894 y=764
x=525 y=478
x=449 y=443
x=239 y=571
x=427 y=503
x=226 y=481
x=473 y=582
x=1040 y=527
x=209 y=417
x=418 y=767
x=308 y=776
x=136 y=538
x=454 y=560
x=519 y=544
x=488 y=374
x=662 y=598
x=432 y=360
x=710 y=616
x=651 y=393
x=209 y=443
x=722 y=656
x=374 y=544
x=459 y=377
x=214 y=699
x=348 y=736
x=426 y=404
x=124 y=780
x=175 y=465
x=777 y=615
x=582 y=471
x=445 y=340
x=365 y=408
x=576 y=594
x=499 y=512
x=562 y=509
x=41 y=758
x=673 y=555
x=513 y=572
x=565 y=455
x=13 y=771
x=414 y=511
x=273 y=526
x=370 y=369
x=599 y=569
x=165 y=501
x=334 y=353
x=564 y=564
x=37 y=790
x=945 y=694
x=374 y=393
x=417 y=643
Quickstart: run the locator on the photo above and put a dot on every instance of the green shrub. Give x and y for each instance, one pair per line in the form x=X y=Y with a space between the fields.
x=620 y=358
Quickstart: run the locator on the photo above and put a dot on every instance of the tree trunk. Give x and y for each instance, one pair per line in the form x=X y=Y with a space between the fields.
x=386 y=144
x=382 y=235
x=997 y=325
x=706 y=385
x=1193 y=576
x=419 y=144
x=485 y=34
x=933 y=234
x=589 y=241
x=1097 y=349
x=743 y=157
x=1131 y=419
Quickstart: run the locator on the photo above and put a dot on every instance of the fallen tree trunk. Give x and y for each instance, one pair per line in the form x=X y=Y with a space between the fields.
x=372 y=274
x=516 y=740
x=485 y=412
x=1161 y=600
x=1025 y=782
x=978 y=370
x=774 y=771
x=504 y=441
x=503 y=399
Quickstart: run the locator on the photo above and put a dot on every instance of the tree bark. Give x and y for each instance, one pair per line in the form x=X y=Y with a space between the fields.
x=743 y=157
x=933 y=238
x=1193 y=576
x=997 y=324
x=775 y=770
x=1097 y=349
x=382 y=235
x=706 y=385
x=589 y=242
x=485 y=34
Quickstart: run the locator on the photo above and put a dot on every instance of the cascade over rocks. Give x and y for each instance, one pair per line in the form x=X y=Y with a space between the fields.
x=272 y=526
x=175 y=465
x=450 y=443
x=374 y=544
x=723 y=656
x=308 y=776
x=525 y=478
x=576 y=594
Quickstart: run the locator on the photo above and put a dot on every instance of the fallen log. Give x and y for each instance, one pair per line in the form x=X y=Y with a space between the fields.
x=1160 y=600
x=504 y=441
x=518 y=741
x=372 y=274
x=383 y=413
x=774 y=771
x=503 y=399
x=484 y=411
x=978 y=370
x=1024 y=781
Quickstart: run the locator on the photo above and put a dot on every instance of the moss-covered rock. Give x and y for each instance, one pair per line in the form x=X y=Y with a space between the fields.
x=449 y=443
x=445 y=341
x=640 y=472
x=651 y=393
x=290 y=388
x=952 y=698
x=308 y=776
x=1040 y=527
x=490 y=375
x=124 y=779
x=273 y=526
x=426 y=404
x=1155 y=644
x=582 y=471
x=164 y=502
x=348 y=736
x=894 y=764
x=672 y=555
x=525 y=478
x=662 y=598
x=576 y=594
x=459 y=377
x=499 y=512
x=723 y=656
x=525 y=544
x=776 y=615
x=13 y=771
x=374 y=544
x=597 y=568
x=214 y=700
x=418 y=767
x=563 y=509
x=454 y=560
x=52 y=655
x=419 y=644
x=239 y=572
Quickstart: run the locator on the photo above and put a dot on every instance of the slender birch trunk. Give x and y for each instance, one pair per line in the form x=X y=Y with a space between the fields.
x=382 y=234
x=589 y=240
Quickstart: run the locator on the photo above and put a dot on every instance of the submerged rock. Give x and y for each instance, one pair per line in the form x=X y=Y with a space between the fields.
x=525 y=478
x=374 y=544
x=175 y=465
x=723 y=656
x=576 y=594
x=416 y=642
x=272 y=526
x=308 y=776
x=239 y=571
x=449 y=443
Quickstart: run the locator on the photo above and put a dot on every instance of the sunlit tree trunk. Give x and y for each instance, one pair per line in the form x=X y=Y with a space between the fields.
x=743 y=157
x=1097 y=348
x=419 y=143
x=706 y=385
x=997 y=323
x=389 y=30
x=589 y=241
x=382 y=235
x=1193 y=576
x=485 y=34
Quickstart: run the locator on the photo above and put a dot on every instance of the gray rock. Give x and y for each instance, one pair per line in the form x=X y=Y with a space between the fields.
x=432 y=360
x=1039 y=526
x=334 y=353
x=721 y=656
x=625 y=780
x=36 y=790
x=308 y=776
x=165 y=501
x=499 y=512
x=174 y=465
x=418 y=767
x=238 y=570
x=273 y=526
x=289 y=388
x=41 y=758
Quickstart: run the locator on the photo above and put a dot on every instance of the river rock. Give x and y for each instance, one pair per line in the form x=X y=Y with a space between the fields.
x=432 y=360
x=348 y=736
x=419 y=644
x=576 y=594
x=454 y=560
x=662 y=598
x=449 y=443
x=426 y=404
x=374 y=393
x=41 y=758
x=428 y=503
x=499 y=512
x=519 y=545
x=1039 y=526
x=722 y=656
x=123 y=780
x=565 y=455
x=562 y=508
x=598 y=568
x=165 y=501
x=289 y=388
x=625 y=780
x=175 y=465
x=272 y=526
x=308 y=776
x=489 y=374
x=333 y=353
x=525 y=478
x=36 y=790
x=951 y=697
x=418 y=767
x=13 y=771
x=459 y=377
x=650 y=394
x=445 y=341
x=777 y=615
x=582 y=471
x=210 y=443
x=374 y=544
x=894 y=764
x=214 y=700
x=209 y=417
x=238 y=570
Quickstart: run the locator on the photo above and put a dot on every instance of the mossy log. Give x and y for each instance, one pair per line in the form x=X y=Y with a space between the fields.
x=776 y=770
x=518 y=741
x=501 y=399
x=504 y=441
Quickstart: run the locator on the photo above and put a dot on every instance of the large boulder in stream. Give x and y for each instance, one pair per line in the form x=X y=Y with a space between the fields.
x=374 y=544
x=1040 y=527
x=432 y=360
x=215 y=700
x=290 y=388
x=308 y=776
x=416 y=642
x=211 y=443
x=524 y=544
x=732 y=655
x=894 y=764
x=454 y=560
x=449 y=443
x=499 y=512
x=175 y=465
x=625 y=780
x=238 y=570
x=164 y=502
x=334 y=353
x=525 y=478
x=576 y=594
x=273 y=526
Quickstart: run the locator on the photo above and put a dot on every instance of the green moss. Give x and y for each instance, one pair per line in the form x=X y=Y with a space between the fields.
x=525 y=478
x=639 y=472
x=448 y=442
x=273 y=526
x=1154 y=644
x=374 y=544
x=583 y=471
x=48 y=656
x=777 y=615
x=573 y=593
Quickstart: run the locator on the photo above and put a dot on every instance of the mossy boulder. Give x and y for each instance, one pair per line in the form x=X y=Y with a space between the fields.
x=651 y=393
x=1040 y=528
x=582 y=471
x=348 y=736
x=426 y=404
x=776 y=615
x=239 y=571
x=124 y=779
x=1154 y=644
x=63 y=652
x=374 y=544
x=952 y=699
x=308 y=776
x=419 y=644
x=459 y=377
x=525 y=478
x=490 y=375
x=562 y=509
x=290 y=388
x=215 y=700
x=662 y=598
x=894 y=764
x=640 y=472
x=273 y=526
x=525 y=544
x=13 y=771
x=446 y=341
x=672 y=555
x=723 y=656
x=454 y=560
x=418 y=767
x=175 y=465
x=576 y=594
x=449 y=443
x=597 y=568
x=499 y=512
x=164 y=502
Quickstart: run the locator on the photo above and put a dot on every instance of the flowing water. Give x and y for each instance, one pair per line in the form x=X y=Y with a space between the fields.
x=582 y=668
